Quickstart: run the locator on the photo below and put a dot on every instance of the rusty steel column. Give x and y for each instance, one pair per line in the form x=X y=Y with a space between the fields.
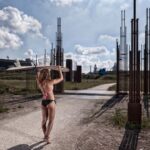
x=134 y=106
x=117 y=68
x=146 y=57
x=149 y=53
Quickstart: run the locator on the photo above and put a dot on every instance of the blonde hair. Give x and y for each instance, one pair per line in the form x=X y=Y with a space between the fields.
x=44 y=75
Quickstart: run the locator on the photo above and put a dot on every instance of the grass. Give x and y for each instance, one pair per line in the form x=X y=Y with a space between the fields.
x=119 y=119
x=15 y=83
x=2 y=109
x=16 y=75
x=88 y=83
x=145 y=123
x=17 y=86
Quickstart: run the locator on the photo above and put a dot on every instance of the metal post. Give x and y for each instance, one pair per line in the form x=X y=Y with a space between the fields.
x=117 y=68
x=134 y=106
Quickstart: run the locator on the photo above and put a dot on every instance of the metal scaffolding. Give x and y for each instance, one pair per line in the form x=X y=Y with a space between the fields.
x=147 y=63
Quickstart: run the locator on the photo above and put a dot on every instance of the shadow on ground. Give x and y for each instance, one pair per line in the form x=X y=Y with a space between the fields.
x=35 y=146
x=106 y=106
x=23 y=99
x=88 y=94
x=130 y=140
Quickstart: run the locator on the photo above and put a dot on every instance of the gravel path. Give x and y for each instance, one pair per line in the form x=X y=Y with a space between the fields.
x=73 y=130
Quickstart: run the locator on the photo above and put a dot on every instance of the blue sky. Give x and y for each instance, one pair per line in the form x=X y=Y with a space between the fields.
x=90 y=28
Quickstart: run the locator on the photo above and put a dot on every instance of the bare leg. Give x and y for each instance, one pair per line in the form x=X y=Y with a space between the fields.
x=51 y=116
x=44 y=118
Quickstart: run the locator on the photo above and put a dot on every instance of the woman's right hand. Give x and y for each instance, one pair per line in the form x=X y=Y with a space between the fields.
x=59 y=68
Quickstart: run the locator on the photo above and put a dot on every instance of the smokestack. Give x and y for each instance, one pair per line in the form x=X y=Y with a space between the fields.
x=45 y=57
x=59 y=54
x=59 y=49
x=134 y=9
x=52 y=56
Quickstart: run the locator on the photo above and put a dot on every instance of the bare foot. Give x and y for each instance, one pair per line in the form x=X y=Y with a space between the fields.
x=47 y=140
x=44 y=138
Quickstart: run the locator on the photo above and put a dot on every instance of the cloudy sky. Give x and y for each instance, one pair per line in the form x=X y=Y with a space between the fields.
x=90 y=28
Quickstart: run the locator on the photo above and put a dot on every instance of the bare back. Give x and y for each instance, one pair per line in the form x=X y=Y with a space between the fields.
x=47 y=87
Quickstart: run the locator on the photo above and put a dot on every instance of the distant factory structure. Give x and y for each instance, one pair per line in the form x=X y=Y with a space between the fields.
x=69 y=75
x=57 y=58
x=57 y=54
x=122 y=65
x=95 y=68
x=7 y=63
x=73 y=75
x=97 y=71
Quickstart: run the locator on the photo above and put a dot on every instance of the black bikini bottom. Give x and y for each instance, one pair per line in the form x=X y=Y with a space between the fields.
x=45 y=102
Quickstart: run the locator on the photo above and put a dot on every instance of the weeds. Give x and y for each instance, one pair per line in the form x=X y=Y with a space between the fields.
x=145 y=123
x=119 y=118
x=2 y=109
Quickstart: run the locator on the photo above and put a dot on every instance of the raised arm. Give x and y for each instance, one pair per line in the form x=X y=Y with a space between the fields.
x=38 y=83
x=61 y=78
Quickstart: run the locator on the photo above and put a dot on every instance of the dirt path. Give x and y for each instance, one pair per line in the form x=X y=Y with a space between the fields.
x=73 y=128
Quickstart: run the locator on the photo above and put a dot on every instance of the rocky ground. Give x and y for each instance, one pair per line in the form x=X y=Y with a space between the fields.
x=82 y=123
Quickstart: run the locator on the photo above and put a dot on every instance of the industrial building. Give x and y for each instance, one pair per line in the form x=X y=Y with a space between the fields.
x=7 y=63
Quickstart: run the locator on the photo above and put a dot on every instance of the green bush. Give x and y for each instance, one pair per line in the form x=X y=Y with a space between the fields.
x=133 y=126
x=145 y=123
x=119 y=118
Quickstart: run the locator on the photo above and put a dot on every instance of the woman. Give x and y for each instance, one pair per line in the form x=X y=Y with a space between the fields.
x=48 y=103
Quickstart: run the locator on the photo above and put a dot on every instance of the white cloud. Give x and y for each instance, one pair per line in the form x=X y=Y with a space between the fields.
x=113 y=52
x=30 y=54
x=65 y=2
x=108 y=64
x=124 y=6
x=18 y=27
x=18 y=22
x=110 y=2
x=107 y=38
x=91 y=50
x=40 y=59
x=89 y=60
x=142 y=38
x=9 y=40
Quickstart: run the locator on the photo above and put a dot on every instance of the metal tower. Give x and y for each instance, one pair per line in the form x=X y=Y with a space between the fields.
x=52 y=56
x=59 y=55
x=123 y=54
x=59 y=49
x=123 y=41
